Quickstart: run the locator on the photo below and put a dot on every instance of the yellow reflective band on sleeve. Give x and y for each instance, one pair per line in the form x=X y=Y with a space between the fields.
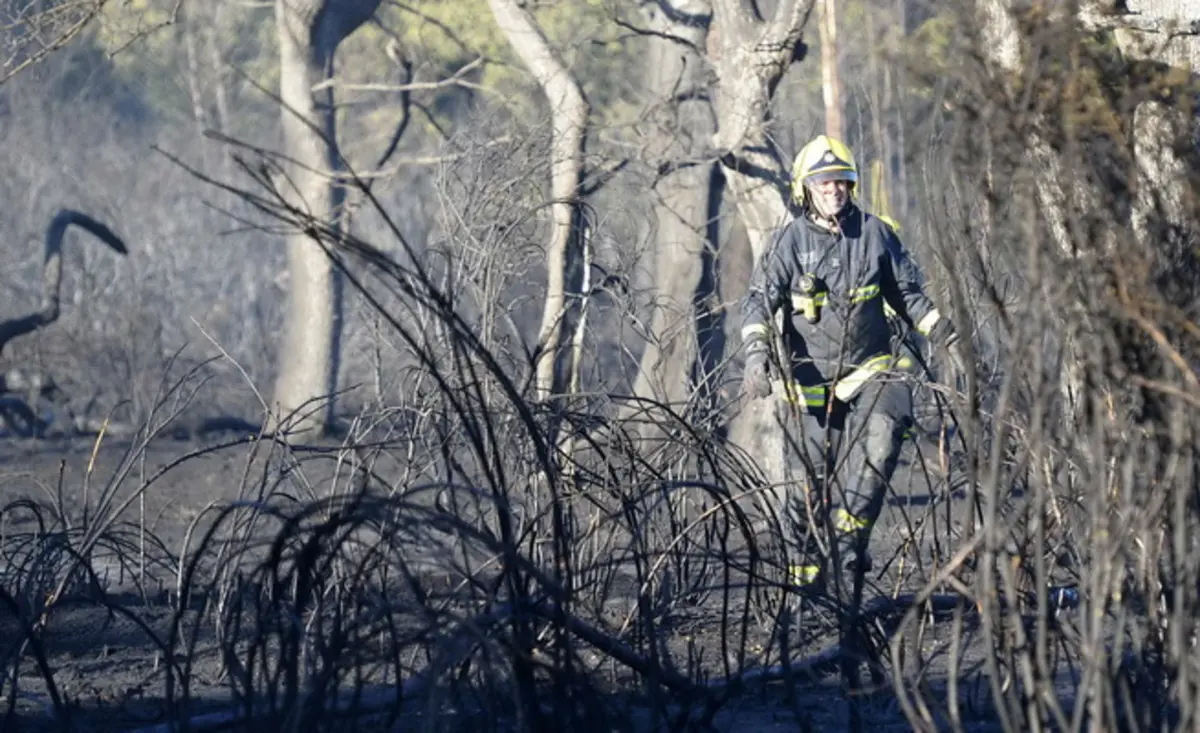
x=754 y=330
x=926 y=324
x=797 y=394
x=848 y=387
x=863 y=294
x=845 y=522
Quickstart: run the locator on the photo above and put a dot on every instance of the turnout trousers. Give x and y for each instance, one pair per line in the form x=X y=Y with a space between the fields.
x=839 y=459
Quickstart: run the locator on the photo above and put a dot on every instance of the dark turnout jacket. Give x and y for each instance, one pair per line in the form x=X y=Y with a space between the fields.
x=855 y=271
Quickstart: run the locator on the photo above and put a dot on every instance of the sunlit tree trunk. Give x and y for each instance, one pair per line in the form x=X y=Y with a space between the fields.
x=217 y=64
x=749 y=57
x=683 y=203
x=831 y=81
x=309 y=33
x=895 y=93
x=569 y=115
x=192 y=54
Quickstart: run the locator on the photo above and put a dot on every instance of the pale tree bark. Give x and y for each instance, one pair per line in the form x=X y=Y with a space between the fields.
x=683 y=204
x=882 y=42
x=831 y=81
x=877 y=81
x=1061 y=194
x=1143 y=30
x=217 y=62
x=204 y=31
x=309 y=33
x=191 y=53
x=569 y=112
x=895 y=86
x=749 y=57
x=1162 y=176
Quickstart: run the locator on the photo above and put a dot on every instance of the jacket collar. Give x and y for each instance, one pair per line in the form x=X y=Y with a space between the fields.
x=850 y=221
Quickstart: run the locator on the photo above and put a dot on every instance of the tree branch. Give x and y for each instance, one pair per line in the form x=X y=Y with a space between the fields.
x=656 y=34
x=52 y=271
x=599 y=177
x=1095 y=19
x=786 y=28
x=683 y=17
x=455 y=79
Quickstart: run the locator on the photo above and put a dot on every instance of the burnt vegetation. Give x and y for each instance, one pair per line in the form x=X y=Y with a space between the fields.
x=466 y=554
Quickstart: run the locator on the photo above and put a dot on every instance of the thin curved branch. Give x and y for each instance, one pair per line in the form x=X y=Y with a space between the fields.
x=52 y=272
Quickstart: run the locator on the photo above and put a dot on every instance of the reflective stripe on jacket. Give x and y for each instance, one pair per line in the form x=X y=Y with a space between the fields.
x=858 y=270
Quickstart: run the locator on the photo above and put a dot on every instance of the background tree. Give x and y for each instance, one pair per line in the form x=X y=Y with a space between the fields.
x=309 y=34
x=831 y=80
x=568 y=118
x=34 y=30
x=749 y=57
x=686 y=193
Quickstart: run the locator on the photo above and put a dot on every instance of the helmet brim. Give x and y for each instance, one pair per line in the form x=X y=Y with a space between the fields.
x=839 y=175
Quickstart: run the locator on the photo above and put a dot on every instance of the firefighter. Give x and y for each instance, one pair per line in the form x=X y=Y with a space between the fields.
x=831 y=272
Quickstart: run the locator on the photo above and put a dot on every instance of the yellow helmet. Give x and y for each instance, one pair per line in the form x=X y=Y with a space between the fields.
x=823 y=159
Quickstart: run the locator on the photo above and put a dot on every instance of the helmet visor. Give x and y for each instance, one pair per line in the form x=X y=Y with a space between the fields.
x=838 y=175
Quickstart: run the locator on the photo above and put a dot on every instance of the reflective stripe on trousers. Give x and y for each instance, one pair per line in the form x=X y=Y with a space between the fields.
x=845 y=389
x=755 y=330
x=848 y=386
x=846 y=523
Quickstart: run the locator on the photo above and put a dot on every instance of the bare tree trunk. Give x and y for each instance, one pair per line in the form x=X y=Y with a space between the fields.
x=220 y=95
x=309 y=34
x=876 y=82
x=1058 y=192
x=831 y=81
x=1063 y=194
x=1162 y=174
x=879 y=99
x=683 y=204
x=894 y=91
x=193 y=69
x=750 y=58
x=1157 y=126
x=569 y=112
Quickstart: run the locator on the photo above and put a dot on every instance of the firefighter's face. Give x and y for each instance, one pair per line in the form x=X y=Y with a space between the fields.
x=830 y=197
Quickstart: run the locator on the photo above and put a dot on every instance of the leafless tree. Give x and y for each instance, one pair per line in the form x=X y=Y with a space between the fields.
x=564 y=251
x=309 y=34
x=749 y=57
x=831 y=80
x=1073 y=173
x=686 y=188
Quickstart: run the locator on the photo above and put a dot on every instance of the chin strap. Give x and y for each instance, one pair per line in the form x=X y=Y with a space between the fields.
x=818 y=217
x=828 y=222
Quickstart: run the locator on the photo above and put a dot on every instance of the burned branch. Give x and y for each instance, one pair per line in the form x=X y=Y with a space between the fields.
x=52 y=272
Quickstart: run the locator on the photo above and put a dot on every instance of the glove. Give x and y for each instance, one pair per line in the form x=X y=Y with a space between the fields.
x=945 y=339
x=756 y=379
x=958 y=361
